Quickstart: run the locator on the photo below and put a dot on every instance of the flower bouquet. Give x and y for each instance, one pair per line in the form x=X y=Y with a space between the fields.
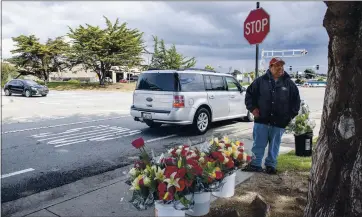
x=226 y=156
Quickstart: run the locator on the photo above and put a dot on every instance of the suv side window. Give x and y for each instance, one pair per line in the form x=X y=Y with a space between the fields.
x=232 y=84
x=13 y=82
x=207 y=82
x=190 y=82
x=217 y=83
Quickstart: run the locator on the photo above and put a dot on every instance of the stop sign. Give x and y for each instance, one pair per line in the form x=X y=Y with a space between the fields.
x=256 y=26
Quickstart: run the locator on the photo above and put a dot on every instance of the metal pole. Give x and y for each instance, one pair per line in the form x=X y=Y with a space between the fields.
x=257 y=51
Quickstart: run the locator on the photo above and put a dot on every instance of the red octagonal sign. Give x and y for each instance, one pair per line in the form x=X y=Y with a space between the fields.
x=257 y=26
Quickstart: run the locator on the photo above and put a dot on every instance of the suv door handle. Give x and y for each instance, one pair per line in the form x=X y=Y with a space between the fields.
x=232 y=96
x=211 y=97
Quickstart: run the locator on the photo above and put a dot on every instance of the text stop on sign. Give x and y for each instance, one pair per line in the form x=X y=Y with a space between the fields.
x=256 y=26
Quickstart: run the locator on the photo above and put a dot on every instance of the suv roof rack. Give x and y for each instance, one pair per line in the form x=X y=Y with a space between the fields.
x=198 y=69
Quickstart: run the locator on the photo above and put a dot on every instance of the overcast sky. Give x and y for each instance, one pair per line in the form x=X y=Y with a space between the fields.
x=210 y=31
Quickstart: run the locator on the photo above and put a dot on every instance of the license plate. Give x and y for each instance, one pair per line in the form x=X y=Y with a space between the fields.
x=147 y=116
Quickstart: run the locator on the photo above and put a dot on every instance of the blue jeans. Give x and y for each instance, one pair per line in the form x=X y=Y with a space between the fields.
x=262 y=134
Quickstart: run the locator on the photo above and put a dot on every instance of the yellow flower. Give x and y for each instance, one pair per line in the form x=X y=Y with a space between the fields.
x=179 y=163
x=234 y=148
x=226 y=139
x=202 y=154
x=237 y=143
x=135 y=183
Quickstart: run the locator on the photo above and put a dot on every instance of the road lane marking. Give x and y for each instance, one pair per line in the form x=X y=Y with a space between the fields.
x=85 y=134
x=102 y=138
x=160 y=138
x=88 y=137
x=17 y=173
x=62 y=125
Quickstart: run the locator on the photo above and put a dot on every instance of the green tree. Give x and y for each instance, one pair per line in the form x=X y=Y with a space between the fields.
x=163 y=58
x=208 y=67
x=34 y=58
x=252 y=75
x=310 y=73
x=99 y=49
x=7 y=71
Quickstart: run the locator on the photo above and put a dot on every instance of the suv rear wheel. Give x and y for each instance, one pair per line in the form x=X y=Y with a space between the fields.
x=201 y=121
x=153 y=124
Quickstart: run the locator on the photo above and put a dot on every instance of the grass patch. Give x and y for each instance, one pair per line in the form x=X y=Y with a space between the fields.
x=245 y=83
x=291 y=162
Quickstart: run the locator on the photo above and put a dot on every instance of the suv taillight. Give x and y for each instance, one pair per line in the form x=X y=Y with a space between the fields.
x=178 y=101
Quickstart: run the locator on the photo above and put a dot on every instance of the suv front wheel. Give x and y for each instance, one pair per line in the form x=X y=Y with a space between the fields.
x=201 y=121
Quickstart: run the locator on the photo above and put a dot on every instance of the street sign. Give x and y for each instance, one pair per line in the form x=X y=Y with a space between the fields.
x=256 y=26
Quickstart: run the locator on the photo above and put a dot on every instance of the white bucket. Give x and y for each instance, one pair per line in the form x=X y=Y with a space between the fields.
x=228 y=189
x=202 y=204
x=167 y=210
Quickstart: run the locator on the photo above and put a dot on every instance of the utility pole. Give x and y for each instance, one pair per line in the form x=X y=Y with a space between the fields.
x=257 y=52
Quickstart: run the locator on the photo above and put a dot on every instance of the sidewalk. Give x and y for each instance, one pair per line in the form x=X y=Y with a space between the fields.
x=102 y=195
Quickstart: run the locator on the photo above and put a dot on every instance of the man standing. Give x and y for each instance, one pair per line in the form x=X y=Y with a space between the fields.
x=274 y=101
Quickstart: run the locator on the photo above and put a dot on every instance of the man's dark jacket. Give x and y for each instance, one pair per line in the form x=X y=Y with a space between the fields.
x=278 y=101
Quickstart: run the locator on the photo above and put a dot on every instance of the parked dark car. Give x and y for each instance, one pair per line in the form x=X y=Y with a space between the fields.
x=27 y=88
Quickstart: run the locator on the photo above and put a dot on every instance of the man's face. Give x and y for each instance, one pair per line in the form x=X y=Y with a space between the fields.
x=277 y=69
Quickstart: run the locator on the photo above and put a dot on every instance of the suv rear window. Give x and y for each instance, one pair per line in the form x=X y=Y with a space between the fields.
x=157 y=82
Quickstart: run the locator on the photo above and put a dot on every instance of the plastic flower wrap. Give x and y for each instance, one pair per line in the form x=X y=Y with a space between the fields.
x=301 y=124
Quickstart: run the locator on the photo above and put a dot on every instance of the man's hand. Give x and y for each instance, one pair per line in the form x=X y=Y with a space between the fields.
x=256 y=113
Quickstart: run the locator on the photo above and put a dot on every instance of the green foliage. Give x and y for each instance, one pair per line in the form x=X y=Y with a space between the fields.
x=310 y=73
x=34 y=58
x=208 y=67
x=321 y=79
x=163 y=58
x=100 y=49
x=301 y=124
x=252 y=75
x=7 y=71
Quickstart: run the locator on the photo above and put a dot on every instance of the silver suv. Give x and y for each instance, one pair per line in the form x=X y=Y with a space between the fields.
x=188 y=97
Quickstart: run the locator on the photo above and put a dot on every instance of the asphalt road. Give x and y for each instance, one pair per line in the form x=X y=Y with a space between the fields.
x=72 y=135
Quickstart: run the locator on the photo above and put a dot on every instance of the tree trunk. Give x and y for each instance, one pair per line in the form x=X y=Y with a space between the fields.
x=335 y=188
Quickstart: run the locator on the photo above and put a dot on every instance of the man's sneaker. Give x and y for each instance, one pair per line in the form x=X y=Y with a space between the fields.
x=252 y=168
x=270 y=170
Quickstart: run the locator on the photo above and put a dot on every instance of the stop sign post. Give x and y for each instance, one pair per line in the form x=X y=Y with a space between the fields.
x=256 y=28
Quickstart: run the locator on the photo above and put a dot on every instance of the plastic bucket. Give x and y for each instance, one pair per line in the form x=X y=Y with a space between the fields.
x=202 y=204
x=167 y=210
x=228 y=189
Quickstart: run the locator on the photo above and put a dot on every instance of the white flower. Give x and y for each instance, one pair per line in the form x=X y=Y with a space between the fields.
x=202 y=154
x=178 y=151
x=159 y=174
x=192 y=155
x=226 y=160
x=146 y=181
x=172 y=181
x=202 y=159
x=236 y=154
x=133 y=172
